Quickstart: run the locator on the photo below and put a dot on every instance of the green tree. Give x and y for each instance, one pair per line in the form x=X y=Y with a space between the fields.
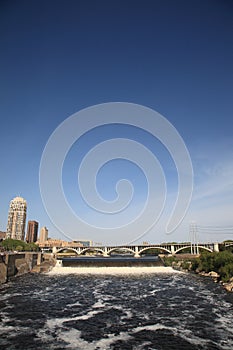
x=220 y=262
x=14 y=244
x=226 y=272
x=206 y=262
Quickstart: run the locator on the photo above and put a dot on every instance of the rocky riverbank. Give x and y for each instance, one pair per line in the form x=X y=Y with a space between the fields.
x=191 y=264
x=216 y=278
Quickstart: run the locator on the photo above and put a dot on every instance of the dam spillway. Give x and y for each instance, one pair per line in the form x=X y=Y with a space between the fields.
x=119 y=261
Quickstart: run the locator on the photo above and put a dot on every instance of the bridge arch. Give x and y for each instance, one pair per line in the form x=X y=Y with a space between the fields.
x=117 y=249
x=182 y=248
x=92 y=249
x=206 y=248
x=67 y=248
x=230 y=244
x=189 y=246
x=160 y=248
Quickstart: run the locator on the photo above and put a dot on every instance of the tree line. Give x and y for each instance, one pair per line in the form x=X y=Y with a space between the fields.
x=219 y=262
x=10 y=244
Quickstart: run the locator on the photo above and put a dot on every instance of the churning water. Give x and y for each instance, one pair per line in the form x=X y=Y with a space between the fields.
x=153 y=309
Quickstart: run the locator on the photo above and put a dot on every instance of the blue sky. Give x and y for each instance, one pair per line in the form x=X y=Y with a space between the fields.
x=58 y=57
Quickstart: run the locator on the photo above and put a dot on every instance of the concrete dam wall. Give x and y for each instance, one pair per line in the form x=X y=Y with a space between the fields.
x=110 y=262
x=17 y=264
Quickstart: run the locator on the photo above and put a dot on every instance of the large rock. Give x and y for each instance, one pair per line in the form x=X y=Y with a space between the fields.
x=229 y=285
x=213 y=274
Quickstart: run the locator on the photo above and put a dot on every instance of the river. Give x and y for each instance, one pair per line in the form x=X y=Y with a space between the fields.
x=136 y=308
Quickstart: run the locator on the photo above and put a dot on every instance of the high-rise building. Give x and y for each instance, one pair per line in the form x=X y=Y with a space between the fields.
x=16 y=219
x=32 y=231
x=43 y=234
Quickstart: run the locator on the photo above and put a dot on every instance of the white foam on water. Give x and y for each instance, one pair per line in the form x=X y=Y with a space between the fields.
x=4 y=320
x=10 y=330
x=73 y=336
x=74 y=304
x=153 y=292
x=182 y=333
x=142 y=346
x=74 y=341
x=99 y=304
x=112 y=270
x=128 y=315
x=152 y=327
x=9 y=296
x=223 y=324
x=191 y=338
x=90 y=314
x=53 y=323
x=6 y=329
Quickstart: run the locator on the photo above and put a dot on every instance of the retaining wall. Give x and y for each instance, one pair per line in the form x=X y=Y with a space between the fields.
x=17 y=264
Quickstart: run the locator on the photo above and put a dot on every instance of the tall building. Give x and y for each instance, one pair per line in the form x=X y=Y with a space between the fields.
x=43 y=234
x=32 y=231
x=16 y=219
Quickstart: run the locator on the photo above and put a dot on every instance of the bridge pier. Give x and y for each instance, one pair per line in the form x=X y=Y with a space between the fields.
x=216 y=247
x=136 y=254
x=172 y=249
x=105 y=252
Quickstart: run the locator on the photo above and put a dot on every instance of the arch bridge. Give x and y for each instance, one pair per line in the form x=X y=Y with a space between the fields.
x=138 y=250
x=228 y=244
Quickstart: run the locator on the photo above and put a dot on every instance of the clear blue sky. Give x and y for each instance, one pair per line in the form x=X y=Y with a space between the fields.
x=58 y=57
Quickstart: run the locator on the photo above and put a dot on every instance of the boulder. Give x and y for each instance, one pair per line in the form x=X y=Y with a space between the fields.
x=214 y=274
x=228 y=286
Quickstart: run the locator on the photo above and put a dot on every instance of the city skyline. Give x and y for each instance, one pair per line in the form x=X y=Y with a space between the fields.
x=172 y=57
